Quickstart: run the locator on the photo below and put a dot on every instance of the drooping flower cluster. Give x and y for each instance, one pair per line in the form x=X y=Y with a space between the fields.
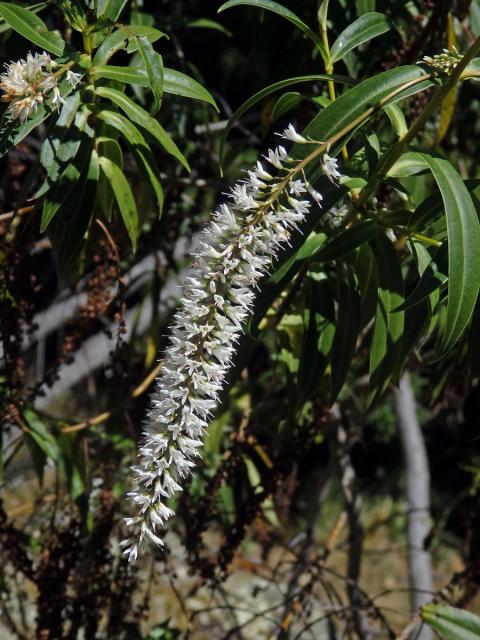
x=26 y=84
x=236 y=250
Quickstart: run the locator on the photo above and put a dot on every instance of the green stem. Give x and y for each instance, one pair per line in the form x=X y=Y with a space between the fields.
x=394 y=153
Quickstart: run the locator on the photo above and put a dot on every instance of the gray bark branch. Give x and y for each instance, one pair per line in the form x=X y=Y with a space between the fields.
x=418 y=499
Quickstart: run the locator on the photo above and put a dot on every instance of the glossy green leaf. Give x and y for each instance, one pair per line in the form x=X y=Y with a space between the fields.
x=386 y=343
x=39 y=433
x=59 y=145
x=140 y=149
x=154 y=66
x=31 y=27
x=347 y=326
x=280 y=10
x=113 y=8
x=266 y=91
x=463 y=231
x=123 y=38
x=124 y=197
x=366 y=27
x=356 y=101
x=308 y=249
x=67 y=180
x=174 y=82
x=433 y=277
x=67 y=230
x=323 y=14
x=409 y=164
x=348 y=241
x=286 y=103
x=397 y=119
x=319 y=329
x=109 y=148
x=138 y=115
x=367 y=277
x=452 y=623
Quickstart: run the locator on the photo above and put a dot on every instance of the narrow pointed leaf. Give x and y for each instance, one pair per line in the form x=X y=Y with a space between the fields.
x=123 y=38
x=174 y=82
x=386 y=343
x=31 y=27
x=452 y=623
x=463 y=231
x=140 y=149
x=124 y=197
x=154 y=66
x=138 y=115
x=366 y=27
x=347 y=327
x=347 y=241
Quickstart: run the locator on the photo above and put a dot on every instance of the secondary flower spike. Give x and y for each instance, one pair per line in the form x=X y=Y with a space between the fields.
x=27 y=83
x=236 y=250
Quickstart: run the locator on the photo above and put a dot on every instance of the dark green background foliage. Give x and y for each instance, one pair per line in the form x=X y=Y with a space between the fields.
x=101 y=203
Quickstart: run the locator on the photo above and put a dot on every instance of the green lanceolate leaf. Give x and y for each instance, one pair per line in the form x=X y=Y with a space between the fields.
x=113 y=8
x=322 y=14
x=68 y=179
x=41 y=435
x=463 y=231
x=452 y=623
x=347 y=327
x=31 y=27
x=308 y=249
x=367 y=276
x=154 y=66
x=280 y=10
x=138 y=115
x=368 y=26
x=319 y=330
x=124 y=197
x=109 y=148
x=388 y=328
x=123 y=38
x=263 y=93
x=286 y=103
x=174 y=82
x=67 y=229
x=396 y=117
x=348 y=241
x=140 y=149
x=62 y=141
x=409 y=164
x=433 y=277
x=362 y=101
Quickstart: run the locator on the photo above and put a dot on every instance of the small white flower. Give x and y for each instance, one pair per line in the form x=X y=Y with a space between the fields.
x=291 y=134
x=277 y=156
x=73 y=78
x=297 y=187
x=330 y=167
x=57 y=99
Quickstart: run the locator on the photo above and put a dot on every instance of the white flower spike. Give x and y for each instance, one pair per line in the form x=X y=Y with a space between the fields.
x=236 y=250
